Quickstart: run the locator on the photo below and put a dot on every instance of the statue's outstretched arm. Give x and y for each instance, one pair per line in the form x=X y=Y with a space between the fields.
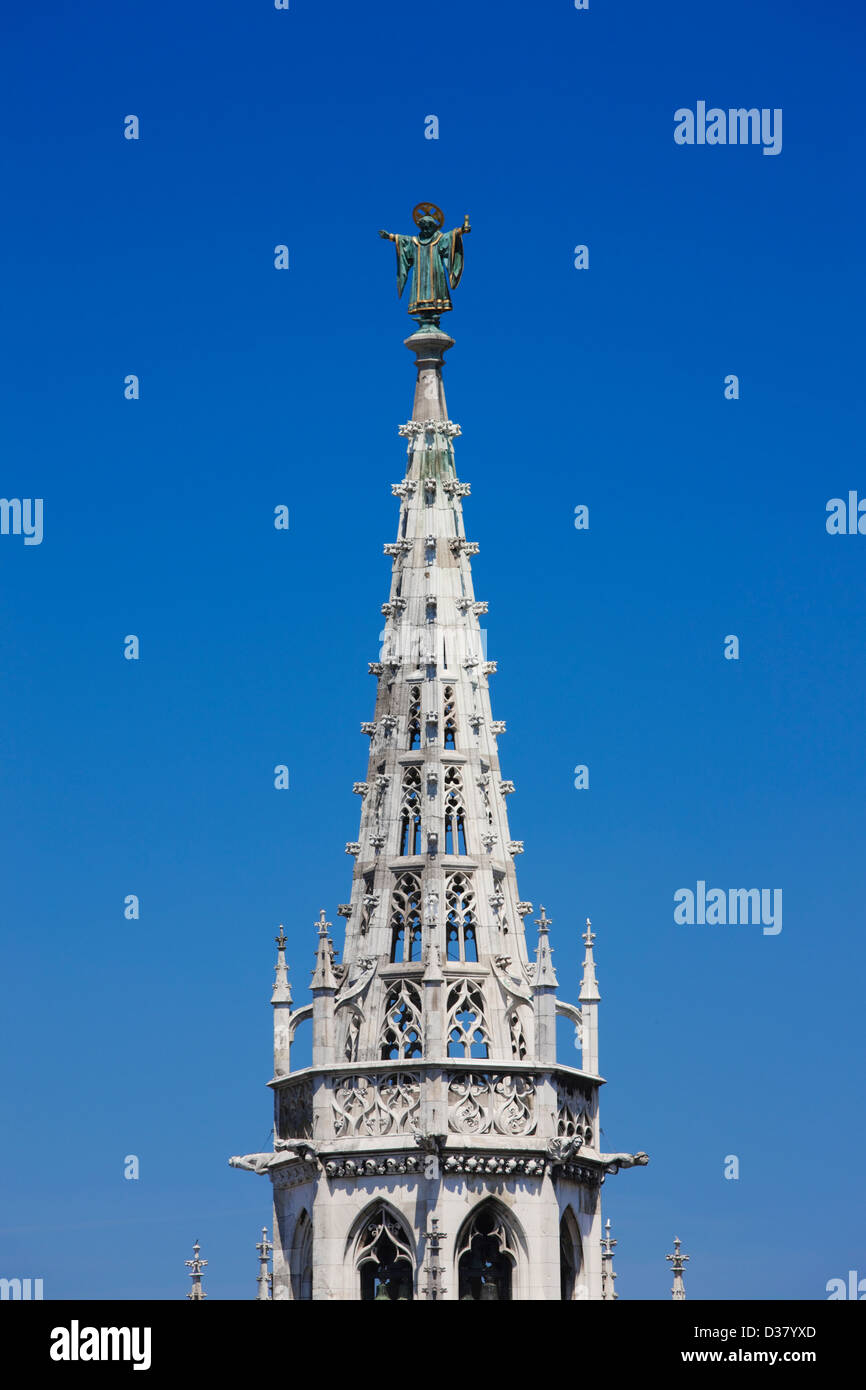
x=389 y=236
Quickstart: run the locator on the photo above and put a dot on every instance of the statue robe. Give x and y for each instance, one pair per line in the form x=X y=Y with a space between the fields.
x=438 y=266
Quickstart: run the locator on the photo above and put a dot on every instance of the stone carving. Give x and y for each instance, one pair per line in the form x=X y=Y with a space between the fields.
x=360 y=788
x=373 y=1167
x=353 y=847
x=344 y=909
x=506 y=788
x=524 y=909
x=377 y=1105
x=295 y=1110
x=455 y=488
x=368 y=727
x=479 y=1102
x=489 y=668
x=404 y=489
x=377 y=841
x=497 y=1163
x=467 y=1028
x=515 y=846
x=488 y=839
x=497 y=726
x=397 y=547
x=375 y=668
x=413 y=428
x=476 y=720
x=613 y=1162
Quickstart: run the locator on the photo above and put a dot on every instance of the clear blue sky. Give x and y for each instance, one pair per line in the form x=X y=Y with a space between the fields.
x=604 y=387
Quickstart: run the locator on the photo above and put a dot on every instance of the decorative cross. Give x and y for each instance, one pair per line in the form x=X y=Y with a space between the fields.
x=678 y=1292
x=589 y=934
x=435 y=1290
x=196 y=1265
x=607 y=1244
x=323 y=926
x=544 y=923
x=264 y=1248
x=281 y=939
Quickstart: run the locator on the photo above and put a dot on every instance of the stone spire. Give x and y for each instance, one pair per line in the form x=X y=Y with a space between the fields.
x=435 y=1101
x=608 y=1292
x=195 y=1266
x=282 y=1002
x=589 y=1002
x=678 y=1264
x=263 y=1282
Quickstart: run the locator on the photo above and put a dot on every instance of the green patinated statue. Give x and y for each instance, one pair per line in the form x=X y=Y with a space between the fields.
x=438 y=260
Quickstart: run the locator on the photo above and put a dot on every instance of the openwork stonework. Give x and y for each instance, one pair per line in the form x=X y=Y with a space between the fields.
x=377 y=1104
x=479 y=1103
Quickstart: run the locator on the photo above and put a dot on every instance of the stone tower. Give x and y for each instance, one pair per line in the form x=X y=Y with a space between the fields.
x=435 y=1148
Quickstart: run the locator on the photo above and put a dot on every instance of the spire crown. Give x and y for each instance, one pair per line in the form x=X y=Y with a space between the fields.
x=589 y=984
x=545 y=975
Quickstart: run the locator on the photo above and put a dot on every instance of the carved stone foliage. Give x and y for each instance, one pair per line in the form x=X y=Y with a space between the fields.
x=479 y=1103
x=377 y=1105
x=574 y=1112
x=295 y=1110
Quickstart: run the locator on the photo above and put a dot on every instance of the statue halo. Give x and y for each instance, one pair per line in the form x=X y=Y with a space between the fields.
x=427 y=210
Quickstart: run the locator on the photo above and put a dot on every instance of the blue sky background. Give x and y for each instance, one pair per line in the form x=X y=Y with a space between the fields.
x=604 y=387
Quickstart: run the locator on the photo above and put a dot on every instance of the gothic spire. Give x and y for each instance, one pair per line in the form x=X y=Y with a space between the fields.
x=281 y=1000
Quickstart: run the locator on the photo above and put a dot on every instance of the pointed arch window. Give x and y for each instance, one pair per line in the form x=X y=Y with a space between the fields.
x=301 y=1258
x=570 y=1256
x=455 y=813
x=410 y=812
x=414 y=728
x=461 y=939
x=468 y=1034
x=383 y=1258
x=406 y=918
x=486 y=1257
x=401 y=1029
x=450 y=721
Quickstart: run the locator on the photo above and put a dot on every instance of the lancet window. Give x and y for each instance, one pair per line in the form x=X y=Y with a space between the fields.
x=468 y=1035
x=486 y=1257
x=461 y=939
x=406 y=919
x=455 y=813
x=414 y=729
x=410 y=812
x=383 y=1258
x=401 y=1030
x=450 y=721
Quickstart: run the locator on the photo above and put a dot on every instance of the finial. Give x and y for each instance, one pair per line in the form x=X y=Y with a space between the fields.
x=545 y=975
x=678 y=1262
x=589 y=984
x=323 y=976
x=544 y=923
x=607 y=1274
x=196 y=1265
x=263 y=1281
x=282 y=990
